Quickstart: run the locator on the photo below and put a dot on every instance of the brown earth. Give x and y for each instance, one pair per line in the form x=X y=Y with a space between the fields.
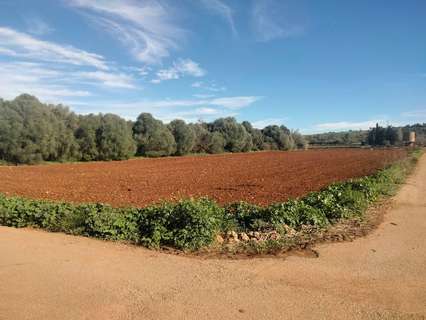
x=381 y=276
x=261 y=178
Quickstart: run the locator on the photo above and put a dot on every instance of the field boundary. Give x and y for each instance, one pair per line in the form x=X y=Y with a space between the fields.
x=201 y=224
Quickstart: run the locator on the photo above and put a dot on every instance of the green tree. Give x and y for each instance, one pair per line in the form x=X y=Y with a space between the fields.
x=236 y=137
x=278 y=138
x=152 y=137
x=114 y=139
x=256 y=136
x=184 y=136
x=299 y=140
x=31 y=132
x=206 y=141
x=86 y=137
x=216 y=143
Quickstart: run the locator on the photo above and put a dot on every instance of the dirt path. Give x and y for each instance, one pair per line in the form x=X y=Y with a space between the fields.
x=382 y=276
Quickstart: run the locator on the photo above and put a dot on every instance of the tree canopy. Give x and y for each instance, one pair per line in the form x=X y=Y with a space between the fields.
x=31 y=131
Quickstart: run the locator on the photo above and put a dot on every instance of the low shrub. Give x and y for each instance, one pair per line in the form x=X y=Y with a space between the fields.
x=188 y=224
x=243 y=216
x=193 y=224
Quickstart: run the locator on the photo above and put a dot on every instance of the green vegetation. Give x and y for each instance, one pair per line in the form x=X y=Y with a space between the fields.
x=184 y=136
x=346 y=138
x=31 y=132
x=419 y=129
x=377 y=136
x=153 y=138
x=193 y=224
x=389 y=136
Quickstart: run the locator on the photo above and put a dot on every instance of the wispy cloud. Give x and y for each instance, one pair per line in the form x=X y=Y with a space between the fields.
x=36 y=79
x=169 y=109
x=52 y=71
x=17 y=44
x=179 y=69
x=348 y=125
x=420 y=114
x=235 y=102
x=209 y=86
x=198 y=114
x=222 y=9
x=260 y=124
x=146 y=27
x=37 y=26
x=225 y=102
x=115 y=80
x=206 y=111
x=203 y=96
x=271 y=20
x=52 y=82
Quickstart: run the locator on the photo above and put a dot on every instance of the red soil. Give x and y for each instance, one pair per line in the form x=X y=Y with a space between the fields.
x=262 y=178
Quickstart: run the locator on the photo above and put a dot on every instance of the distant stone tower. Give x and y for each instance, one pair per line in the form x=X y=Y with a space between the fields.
x=412 y=139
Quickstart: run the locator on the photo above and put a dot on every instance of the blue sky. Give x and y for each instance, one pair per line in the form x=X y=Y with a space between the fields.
x=311 y=65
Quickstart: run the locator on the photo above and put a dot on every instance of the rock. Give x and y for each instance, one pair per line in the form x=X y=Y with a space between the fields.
x=289 y=231
x=244 y=236
x=274 y=235
x=219 y=239
x=257 y=235
x=232 y=236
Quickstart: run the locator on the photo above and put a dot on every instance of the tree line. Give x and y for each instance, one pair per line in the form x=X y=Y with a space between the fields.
x=351 y=137
x=376 y=136
x=385 y=136
x=31 y=131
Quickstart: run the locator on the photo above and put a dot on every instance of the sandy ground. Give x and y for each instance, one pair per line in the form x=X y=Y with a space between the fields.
x=382 y=276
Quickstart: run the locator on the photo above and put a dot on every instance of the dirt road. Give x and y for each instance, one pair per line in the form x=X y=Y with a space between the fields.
x=382 y=276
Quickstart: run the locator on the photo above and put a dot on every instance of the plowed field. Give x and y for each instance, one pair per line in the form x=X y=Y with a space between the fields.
x=260 y=178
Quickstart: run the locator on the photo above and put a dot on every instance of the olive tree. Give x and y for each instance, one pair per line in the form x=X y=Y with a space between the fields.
x=236 y=137
x=184 y=136
x=152 y=137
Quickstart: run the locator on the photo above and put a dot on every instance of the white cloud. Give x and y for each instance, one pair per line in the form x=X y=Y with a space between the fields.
x=146 y=27
x=179 y=69
x=209 y=86
x=272 y=19
x=203 y=96
x=225 y=102
x=260 y=124
x=50 y=82
x=117 y=80
x=206 y=111
x=19 y=44
x=189 y=67
x=51 y=71
x=7 y=52
x=169 y=109
x=235 y=102
x=37 y=26
x=144 y=71
x=194 y=115
x=420 y=114
x=348 y=125
x=223 y=10
x=36 y=79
